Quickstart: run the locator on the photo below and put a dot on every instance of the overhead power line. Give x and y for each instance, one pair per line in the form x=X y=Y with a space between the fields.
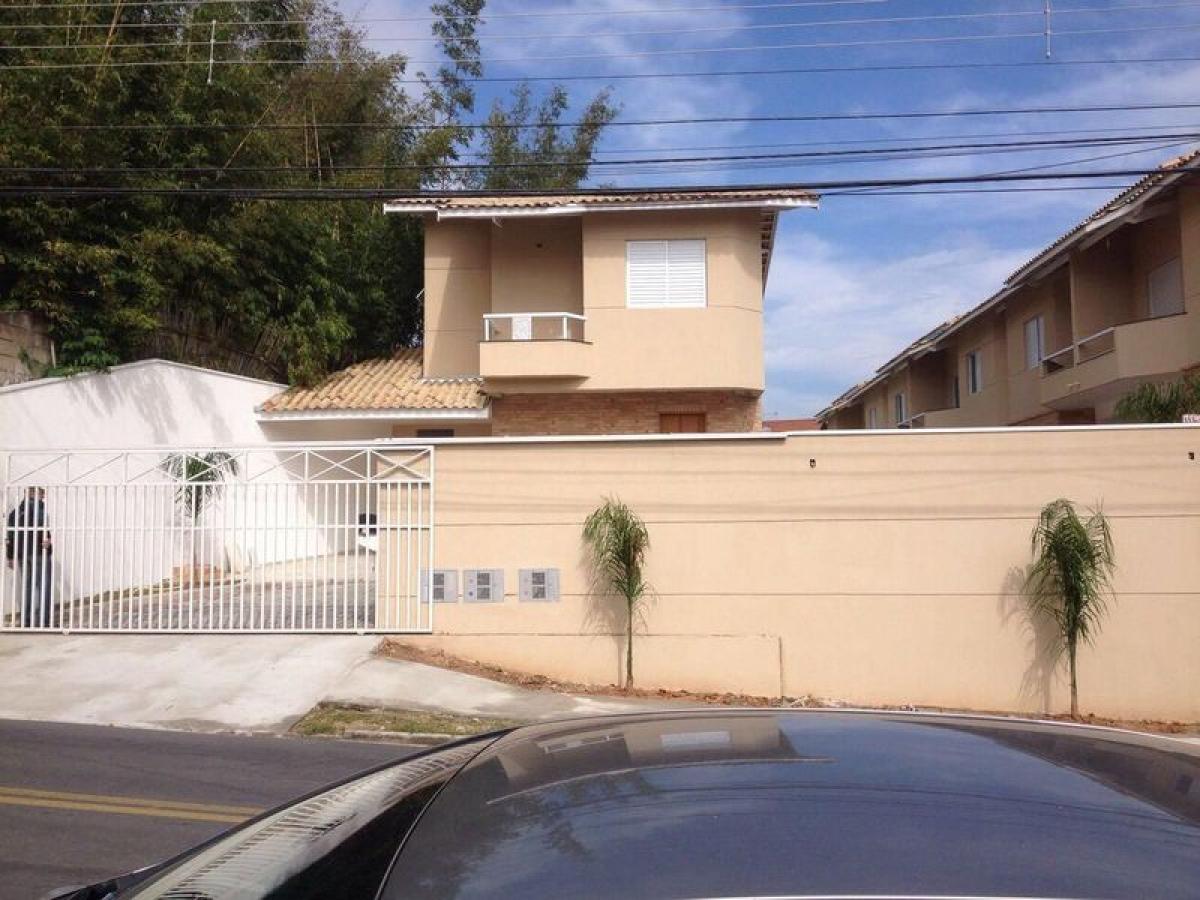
x=552 y=14
x=583 y=13
x=972 y=136
x=619 y=123
x=630 y=54
x=1023 y=189
x=888 y=154
x=576 y=35
x=381 y=193
x=1057 y=62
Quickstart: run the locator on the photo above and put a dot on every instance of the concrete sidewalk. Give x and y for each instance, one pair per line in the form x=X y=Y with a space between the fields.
x=244 y=682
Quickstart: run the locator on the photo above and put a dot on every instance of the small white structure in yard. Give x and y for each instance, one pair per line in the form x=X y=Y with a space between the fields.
x=152 y=403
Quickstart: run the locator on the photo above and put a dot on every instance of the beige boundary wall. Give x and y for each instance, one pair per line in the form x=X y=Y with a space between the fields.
x=869 y=567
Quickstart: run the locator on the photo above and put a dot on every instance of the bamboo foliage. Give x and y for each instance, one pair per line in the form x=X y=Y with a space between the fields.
x=1069 y=580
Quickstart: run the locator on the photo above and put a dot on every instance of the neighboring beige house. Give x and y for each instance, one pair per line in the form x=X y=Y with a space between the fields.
x=598 y=312
x=1112 y=304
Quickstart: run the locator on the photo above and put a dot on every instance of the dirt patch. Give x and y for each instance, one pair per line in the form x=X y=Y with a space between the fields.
x=397 y=649
x=336 y=719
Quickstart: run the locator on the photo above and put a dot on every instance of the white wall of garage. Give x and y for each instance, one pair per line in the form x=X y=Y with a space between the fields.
x=141 y=404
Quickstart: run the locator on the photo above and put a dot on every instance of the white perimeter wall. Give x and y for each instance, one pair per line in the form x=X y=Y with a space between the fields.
x=143 y=404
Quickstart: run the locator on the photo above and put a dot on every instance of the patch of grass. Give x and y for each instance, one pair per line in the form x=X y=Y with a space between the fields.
x=337 y=718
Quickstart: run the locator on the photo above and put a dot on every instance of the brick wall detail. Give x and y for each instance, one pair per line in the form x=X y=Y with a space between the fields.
x=620 y=413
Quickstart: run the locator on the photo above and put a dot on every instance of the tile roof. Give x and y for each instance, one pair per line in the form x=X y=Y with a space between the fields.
x=463 y=200
x=1131 y=194
x=382 y=384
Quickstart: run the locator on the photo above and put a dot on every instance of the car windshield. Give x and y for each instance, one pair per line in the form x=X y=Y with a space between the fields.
x=339 y=842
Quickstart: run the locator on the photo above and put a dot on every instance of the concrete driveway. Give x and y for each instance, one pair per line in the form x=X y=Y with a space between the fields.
x=255 y=683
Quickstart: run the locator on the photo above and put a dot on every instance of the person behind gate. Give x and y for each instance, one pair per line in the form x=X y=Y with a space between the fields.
x=27 y=549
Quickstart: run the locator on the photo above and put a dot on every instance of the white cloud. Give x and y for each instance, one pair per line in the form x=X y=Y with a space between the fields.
x=835 y=313
x=640 y=98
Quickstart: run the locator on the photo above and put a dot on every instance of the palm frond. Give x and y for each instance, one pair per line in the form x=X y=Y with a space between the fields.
x=618 y=541
x=200 y=476
x=1073 y=562
x=1149 y=403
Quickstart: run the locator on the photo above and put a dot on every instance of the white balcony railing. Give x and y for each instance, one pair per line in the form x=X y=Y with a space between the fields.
x=533 y=326
x=1058 y=360
x=1103 y=341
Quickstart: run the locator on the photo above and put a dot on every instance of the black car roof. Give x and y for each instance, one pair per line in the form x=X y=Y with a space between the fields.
x=767 y=803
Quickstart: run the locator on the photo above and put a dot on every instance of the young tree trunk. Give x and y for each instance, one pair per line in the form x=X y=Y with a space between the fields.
x=629 y=646
x=1074 y=683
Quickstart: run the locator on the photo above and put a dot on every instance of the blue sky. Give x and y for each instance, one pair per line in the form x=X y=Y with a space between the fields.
x=854 y=282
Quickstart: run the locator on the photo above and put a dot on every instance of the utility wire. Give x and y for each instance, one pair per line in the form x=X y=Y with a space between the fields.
x=1191 y=126
x=619 y=123
x=630 y=54
x=381 y=193
x=800 y=70
x=1024 y=189
x=886 y=155
x=576 y=35
x=554 y=14
x=1044 y=167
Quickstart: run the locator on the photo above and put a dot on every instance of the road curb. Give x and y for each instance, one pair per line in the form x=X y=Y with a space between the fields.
x=405 y=737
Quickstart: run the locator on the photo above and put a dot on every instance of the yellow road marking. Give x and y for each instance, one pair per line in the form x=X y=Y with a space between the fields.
x=131 y=806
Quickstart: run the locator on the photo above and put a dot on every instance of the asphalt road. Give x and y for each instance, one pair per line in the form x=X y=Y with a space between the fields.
x=79 y=802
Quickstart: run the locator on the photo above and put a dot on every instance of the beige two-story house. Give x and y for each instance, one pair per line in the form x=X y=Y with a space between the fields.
x=1112 y=304
x=580 y=312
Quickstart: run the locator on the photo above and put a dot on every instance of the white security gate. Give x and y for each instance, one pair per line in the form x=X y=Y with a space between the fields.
x=235 y=539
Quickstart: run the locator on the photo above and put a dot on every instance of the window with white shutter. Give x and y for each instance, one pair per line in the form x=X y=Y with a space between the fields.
x=666 y=273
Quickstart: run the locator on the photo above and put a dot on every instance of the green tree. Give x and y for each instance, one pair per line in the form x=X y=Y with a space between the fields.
x=1160 y=402
x=1069 y=579
x=527 y=148
x=618 y=541
x=279 y=289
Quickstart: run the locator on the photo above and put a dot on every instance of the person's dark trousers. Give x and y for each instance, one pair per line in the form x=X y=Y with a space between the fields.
x=35 y=591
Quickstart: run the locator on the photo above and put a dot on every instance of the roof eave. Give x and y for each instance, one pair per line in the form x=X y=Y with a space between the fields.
x=1055 y=255
x=376 y=415
x=577 y=209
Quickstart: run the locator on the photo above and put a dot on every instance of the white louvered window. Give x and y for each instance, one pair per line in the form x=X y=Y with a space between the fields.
x=666 y=273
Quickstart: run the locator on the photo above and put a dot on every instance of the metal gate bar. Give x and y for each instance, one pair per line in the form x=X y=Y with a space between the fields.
x=275 y=539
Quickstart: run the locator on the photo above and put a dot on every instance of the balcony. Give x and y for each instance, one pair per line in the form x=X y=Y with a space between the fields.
x=533 y=326
x=1089 y=348
x=546 y=345
x=1104 y=365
